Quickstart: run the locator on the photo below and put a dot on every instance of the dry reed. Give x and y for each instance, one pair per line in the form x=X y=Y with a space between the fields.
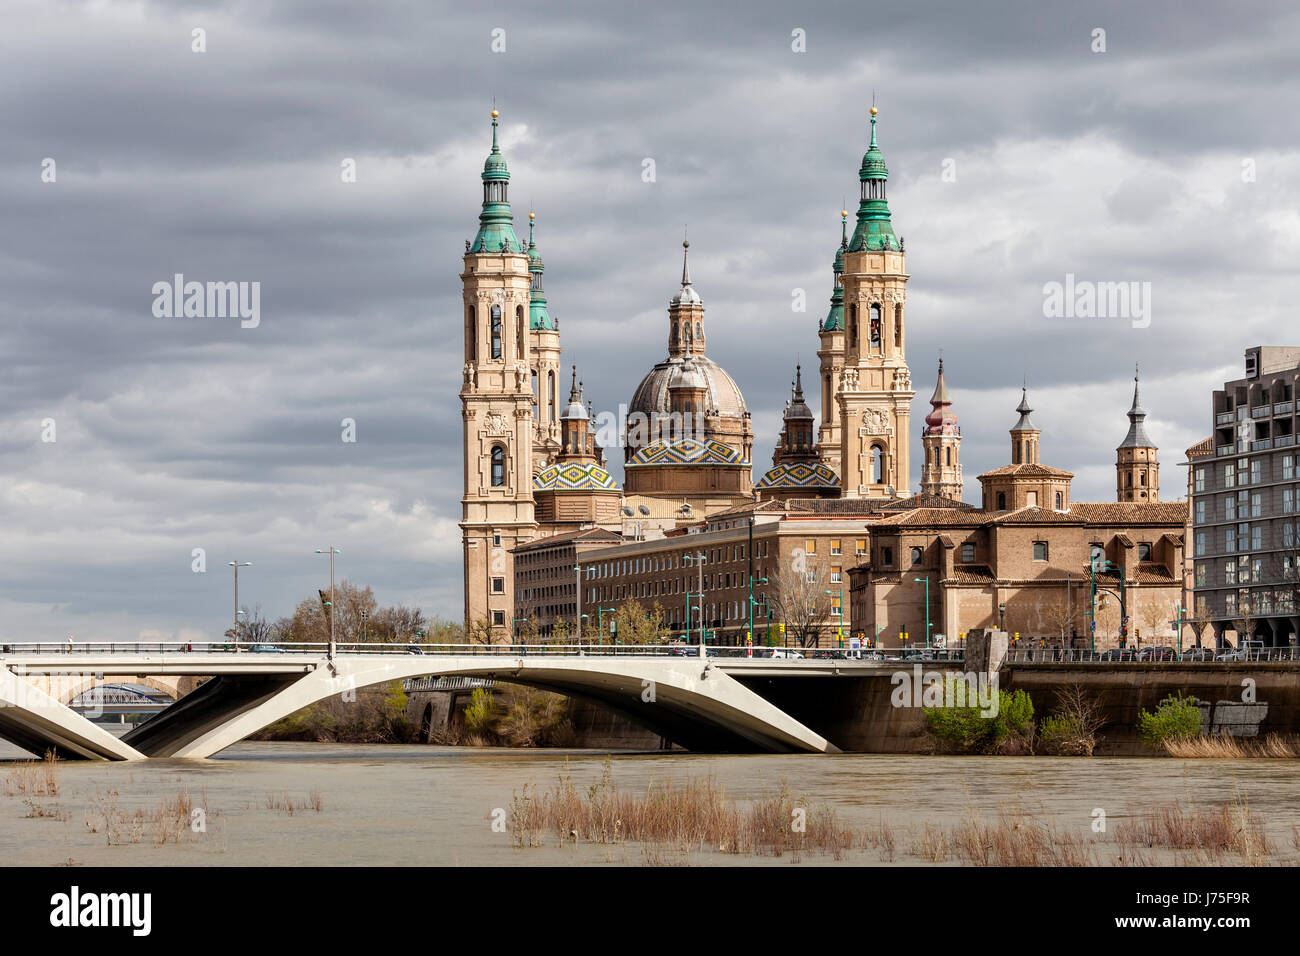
x=1225 y=747
x=34 y=778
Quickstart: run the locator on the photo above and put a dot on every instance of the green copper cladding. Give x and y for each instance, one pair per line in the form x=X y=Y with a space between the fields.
x=874 y=230
x=834 y=321
x=496 y=230
x=538 y=317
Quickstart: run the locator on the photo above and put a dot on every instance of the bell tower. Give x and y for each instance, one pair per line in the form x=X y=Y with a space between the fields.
x=544 y=352
x=496 y=405
x=941 y=446
x=831 y=356
x=875 y=388
x=1137 y=468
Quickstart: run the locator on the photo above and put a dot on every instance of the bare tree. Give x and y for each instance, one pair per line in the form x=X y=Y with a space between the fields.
x=802 y=599
x=255 y=628
x=1245 y=619
x=1200 y=619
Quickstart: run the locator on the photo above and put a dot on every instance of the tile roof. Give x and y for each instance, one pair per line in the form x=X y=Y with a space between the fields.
x=1081 y=512
x=1026 y=471
x=585 y=534
x=970 y=574
x=1202 y=448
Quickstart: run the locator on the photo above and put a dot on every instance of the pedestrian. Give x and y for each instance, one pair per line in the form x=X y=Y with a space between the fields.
x=69 y=643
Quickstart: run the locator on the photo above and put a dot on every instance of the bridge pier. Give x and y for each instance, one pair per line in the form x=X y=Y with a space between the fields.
x=35 y=721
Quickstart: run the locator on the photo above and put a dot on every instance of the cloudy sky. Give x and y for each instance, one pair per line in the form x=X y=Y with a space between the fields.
x=1171 y=158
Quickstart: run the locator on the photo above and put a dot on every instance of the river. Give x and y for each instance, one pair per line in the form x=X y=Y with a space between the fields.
x=418 y=805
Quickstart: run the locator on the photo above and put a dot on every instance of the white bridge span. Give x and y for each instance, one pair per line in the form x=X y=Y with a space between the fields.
x=693 y=699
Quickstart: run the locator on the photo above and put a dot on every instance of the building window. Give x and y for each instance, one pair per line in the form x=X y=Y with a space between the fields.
x=498 y=617
x=835 y=546
x=1144 y=551
x=860 y=546
x=810 y=546
x=1256 y=537
x=496 y=331
x=1288 y=535
x=1200 y=543
x=1288 y=500
x=1040 y=550
x=496 y=541
x=1229 y=539
x=1002 y=501
x=1229 y=476
x=1060 y=501
x=837 y=575
x=1256 y=471
x=1229 y=572
x=1200 y=575
x=1288 y=467
x=968 y=553
x=1256 y=505
x=887 y=556
x=916 y=556
x=877 y=465
x=498 y=466
x=1200 y=478
x=498 y=585
x=1200 y=511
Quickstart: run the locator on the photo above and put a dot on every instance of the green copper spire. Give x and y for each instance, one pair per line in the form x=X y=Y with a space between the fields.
x=496 y=230
x=538 y=317
x=874 y=230
x=834 y=321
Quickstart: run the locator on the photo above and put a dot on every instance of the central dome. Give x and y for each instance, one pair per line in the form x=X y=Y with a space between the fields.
x=722 y=393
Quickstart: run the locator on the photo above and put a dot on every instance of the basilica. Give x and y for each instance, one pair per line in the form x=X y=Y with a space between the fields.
x=537 y=490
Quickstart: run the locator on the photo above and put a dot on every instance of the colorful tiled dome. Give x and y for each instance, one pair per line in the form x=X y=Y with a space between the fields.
x=574 y=476
x=686 y=451
x=799 y=475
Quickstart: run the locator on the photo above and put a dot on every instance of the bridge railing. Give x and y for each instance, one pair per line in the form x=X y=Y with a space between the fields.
x=1198 y=655
x=317 y=648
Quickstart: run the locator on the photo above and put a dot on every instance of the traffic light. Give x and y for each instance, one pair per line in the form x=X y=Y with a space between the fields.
x=782 y=627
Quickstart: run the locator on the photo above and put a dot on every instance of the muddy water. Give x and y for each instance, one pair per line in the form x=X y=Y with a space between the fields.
x=396 y=805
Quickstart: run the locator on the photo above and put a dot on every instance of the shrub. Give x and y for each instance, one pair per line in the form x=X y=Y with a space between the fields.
x=1176 y=718
x=966 y=729
x=1072 y=730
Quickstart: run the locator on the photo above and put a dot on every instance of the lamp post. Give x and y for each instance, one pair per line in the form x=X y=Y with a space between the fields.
x=237 y=565
x=331 y=551
x=926 y=579
x=600 y=618
x=577 y=590
x=698 y=560
x=752 y=602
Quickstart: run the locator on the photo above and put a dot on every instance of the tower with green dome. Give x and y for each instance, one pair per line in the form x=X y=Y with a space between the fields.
x=874 y=392
x=831 y=354
x=497 y=408
x=544 y=371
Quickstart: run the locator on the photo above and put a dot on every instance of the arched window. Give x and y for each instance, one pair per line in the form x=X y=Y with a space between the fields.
x=947 y=455
x=498 y=466
x=877 y=465
x=1060 y=501
x=1002 y=501
x=936 y=457
x=699 y=331
x=1142 y=478
x=550 y=392
x=674 y=336
x=875 y=325
x=519 y=331
x=496 y=331
x=853 y=322
x=536 y=402
x=898 y=326
x=471 y=347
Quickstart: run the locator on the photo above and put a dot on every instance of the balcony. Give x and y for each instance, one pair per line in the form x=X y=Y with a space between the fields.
x=1261 y=411
x=1223 y=450
x=1261 y=444
x=1223 y=418
x=1283 y=408
x=1282 y=441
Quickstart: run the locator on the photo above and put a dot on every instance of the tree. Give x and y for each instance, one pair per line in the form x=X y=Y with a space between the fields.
x=1060 y=619
x=1201 y=618
x=801 y=598
x=254 y=627
x=1244 y=622
x=638 y=624
x=561 y=631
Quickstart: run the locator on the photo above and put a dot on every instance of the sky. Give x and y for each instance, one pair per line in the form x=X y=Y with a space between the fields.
x=139 y=454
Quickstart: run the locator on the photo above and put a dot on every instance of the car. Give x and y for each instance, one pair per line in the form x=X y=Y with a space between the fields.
x=1245 y=651
x=788 y=653
x=414 y=650
x=920 y=655
x=678 y=652
x=1198 y=654
x=1117 y=654
x=267 y=649
x=1159 y=653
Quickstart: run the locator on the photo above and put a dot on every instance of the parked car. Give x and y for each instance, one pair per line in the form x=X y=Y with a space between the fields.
x=1158 y=653
x=920 y=655
x=267 y=649
x=1117 y=654
x=1245 y=651
x=1198 y=654
x=415 y=650
x=788 y=653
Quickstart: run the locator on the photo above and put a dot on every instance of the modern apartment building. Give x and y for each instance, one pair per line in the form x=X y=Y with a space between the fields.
x=1244 y=505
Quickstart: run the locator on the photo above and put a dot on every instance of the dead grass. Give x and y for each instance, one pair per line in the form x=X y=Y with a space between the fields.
x=1210 y=833
x=34 y=778
x=172 y=820
x=1225 y=747
x=286 y=803
x=694 y=815
x=1015 y=839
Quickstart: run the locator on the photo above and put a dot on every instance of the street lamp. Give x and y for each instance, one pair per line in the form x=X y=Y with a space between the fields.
x=331 y=551
x=577 y=588
x=600 y=618
x=698 y=560
x=752 y=602
x=237 y=565
x=926 y=579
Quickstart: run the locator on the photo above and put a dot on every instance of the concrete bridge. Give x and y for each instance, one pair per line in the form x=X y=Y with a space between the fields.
x=703 y=702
